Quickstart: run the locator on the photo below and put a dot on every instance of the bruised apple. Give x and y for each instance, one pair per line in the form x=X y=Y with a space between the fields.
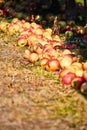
x=53 y=65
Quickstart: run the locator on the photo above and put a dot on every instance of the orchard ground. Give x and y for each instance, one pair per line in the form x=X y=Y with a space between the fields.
x=34 y=99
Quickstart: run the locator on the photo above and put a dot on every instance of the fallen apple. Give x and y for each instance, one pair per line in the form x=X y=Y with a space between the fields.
x=84 y=65
x=65 y=71
x=33 y=57
x=77 y=65
x=27 y=54
x=66 y=51
x=83 y=88
x=37 y=49
x=79 y=73
x=66 y=61
x=77 y=82
x=53 y=65
x=68 y=78
x=85 y=74
x=22 y=41
x=43 y=62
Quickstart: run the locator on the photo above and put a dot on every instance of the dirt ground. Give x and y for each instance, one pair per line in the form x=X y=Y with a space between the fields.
x=33 y=101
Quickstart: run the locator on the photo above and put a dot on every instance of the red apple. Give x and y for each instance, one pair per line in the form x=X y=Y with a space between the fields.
x=58 y=47
x=64 y=71
x=68 y=78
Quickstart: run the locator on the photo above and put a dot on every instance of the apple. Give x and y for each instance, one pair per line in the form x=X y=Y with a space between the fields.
x=83 y=88
x=79 y=72
x=72 y=56
x=39 y=31
x=16 y=27
x=77 y=65
x=58 y=47
x=27 y=54
x=85 y=74
x=26 y=25
x=68 y=78
x=22 y=41
x=33 y=57
x=43 y=62
x=77 y=82
x=66 y=51
x=46 y=47
x=63 y=72
x=37 y=49
x=84 y=65
x=32 y=39
x=53 y=65
x=66 y=61
x=3 y=26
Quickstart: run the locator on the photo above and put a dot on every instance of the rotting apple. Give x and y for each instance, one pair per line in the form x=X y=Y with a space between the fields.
x=83 y=88
x=77 y=82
